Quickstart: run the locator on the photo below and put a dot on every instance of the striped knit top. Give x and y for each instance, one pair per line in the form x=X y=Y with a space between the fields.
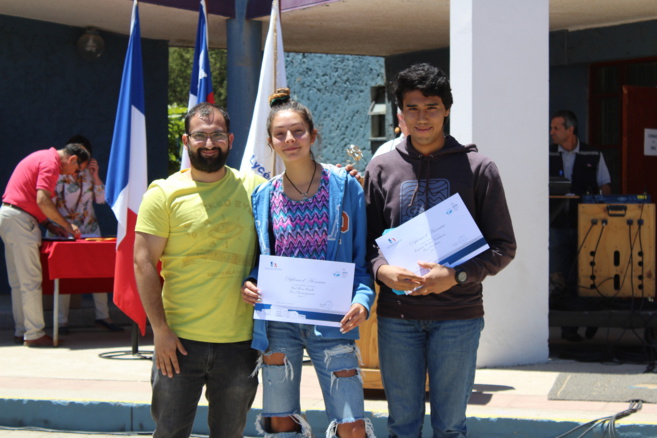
x=301 y=227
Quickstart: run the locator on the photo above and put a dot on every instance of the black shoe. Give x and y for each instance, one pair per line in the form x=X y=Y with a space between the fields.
x=109 y=326
x=64 y=330
x=570 y=334
x=590 y=332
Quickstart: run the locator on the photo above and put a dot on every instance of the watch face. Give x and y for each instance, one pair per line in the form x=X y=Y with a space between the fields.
x=461 y=276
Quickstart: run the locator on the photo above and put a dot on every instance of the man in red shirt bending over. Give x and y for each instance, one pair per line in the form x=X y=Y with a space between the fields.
x=26 y=204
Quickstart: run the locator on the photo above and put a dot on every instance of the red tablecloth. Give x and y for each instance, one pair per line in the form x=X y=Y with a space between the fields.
x=82 y=266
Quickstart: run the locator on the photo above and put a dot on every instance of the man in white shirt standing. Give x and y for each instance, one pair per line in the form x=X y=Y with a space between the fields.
x=390 y=144
x=587 y=172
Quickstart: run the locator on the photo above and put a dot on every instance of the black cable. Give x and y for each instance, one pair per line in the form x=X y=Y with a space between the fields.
x=648 y=350
x=579 y=250
x=608 y=423
x=629 y=267
x=592 y=263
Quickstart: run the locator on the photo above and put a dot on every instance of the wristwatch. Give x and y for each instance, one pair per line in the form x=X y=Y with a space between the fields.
x=460 y=276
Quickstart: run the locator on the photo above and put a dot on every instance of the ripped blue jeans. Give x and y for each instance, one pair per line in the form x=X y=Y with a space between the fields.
x=343 y=396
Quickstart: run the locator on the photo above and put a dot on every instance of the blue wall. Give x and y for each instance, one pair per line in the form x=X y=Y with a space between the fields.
x=48 y=93
x=336 y=89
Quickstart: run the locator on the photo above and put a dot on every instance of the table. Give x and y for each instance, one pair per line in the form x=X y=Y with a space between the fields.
x=559 y=204
x=76 y=266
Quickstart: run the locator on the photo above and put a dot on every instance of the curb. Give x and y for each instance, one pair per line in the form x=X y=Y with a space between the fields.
x=130 y=417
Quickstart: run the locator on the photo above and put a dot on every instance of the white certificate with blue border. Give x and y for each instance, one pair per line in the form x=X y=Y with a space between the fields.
x=305 y=291
x=445 y=234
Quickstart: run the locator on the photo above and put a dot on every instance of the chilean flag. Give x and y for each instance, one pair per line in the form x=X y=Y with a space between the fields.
x=200 y=87
x=258 y=156
x=126 y=175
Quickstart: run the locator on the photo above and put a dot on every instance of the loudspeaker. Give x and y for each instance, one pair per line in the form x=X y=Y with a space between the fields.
x=616 y=250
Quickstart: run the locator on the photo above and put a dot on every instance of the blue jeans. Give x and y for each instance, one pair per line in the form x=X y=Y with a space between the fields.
x=225 y=371
x=343 y=396
x=447 y=351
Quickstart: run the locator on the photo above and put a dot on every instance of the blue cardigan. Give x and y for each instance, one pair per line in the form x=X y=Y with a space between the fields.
x=346 y=243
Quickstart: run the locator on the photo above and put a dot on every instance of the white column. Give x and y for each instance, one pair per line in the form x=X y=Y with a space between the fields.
x=499 y=76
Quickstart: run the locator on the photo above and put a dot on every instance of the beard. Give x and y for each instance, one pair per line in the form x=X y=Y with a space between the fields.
x=208 y=164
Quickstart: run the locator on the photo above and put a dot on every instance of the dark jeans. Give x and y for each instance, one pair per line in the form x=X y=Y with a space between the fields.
x=225 y=371
x=563 y=256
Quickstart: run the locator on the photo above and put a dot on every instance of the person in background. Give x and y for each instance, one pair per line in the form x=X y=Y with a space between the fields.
x=198 y=223
x=74 y=198
x=26 y=204
x=315 y=212
x=433 y=324
x=583 y=165
x=390 y=144
x=587 y=171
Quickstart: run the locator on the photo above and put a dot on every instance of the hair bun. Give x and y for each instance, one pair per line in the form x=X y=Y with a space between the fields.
x=281 y=95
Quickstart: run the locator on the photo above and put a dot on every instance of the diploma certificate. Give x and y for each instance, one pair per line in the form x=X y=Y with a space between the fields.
x=304 y=291
x=444 y=234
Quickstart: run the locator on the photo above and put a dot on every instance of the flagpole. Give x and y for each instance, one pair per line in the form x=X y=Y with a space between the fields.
x=200 y=86
x=127 y=179
x=257 y=156
x=277 y=5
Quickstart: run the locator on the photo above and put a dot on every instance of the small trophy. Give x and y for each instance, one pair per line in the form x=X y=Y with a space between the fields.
x=355 y=155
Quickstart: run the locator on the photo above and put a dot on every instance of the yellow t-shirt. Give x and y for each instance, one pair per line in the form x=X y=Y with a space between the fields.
x=210 y=249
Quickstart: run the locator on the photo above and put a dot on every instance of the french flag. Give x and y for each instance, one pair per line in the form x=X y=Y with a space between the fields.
x=126 y=175
x=200 y=87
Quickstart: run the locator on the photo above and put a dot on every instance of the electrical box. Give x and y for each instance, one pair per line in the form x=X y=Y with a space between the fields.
x=616 y=250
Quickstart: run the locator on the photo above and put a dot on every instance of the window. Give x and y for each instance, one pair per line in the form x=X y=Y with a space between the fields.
x=377 y=113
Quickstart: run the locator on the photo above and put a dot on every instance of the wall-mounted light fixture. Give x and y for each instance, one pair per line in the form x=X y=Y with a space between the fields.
x=91 y=44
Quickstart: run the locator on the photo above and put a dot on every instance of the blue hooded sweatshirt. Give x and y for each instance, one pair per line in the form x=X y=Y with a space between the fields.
x=346 y=243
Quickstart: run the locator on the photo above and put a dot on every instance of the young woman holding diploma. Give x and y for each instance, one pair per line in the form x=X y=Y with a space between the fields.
x=317 y=212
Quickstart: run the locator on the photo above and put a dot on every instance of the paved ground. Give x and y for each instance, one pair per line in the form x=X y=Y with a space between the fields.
x=13 y=433
x=9 y=433
x=506 y=402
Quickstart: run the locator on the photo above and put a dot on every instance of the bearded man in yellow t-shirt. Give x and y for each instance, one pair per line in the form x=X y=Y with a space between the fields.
x=199 y=224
